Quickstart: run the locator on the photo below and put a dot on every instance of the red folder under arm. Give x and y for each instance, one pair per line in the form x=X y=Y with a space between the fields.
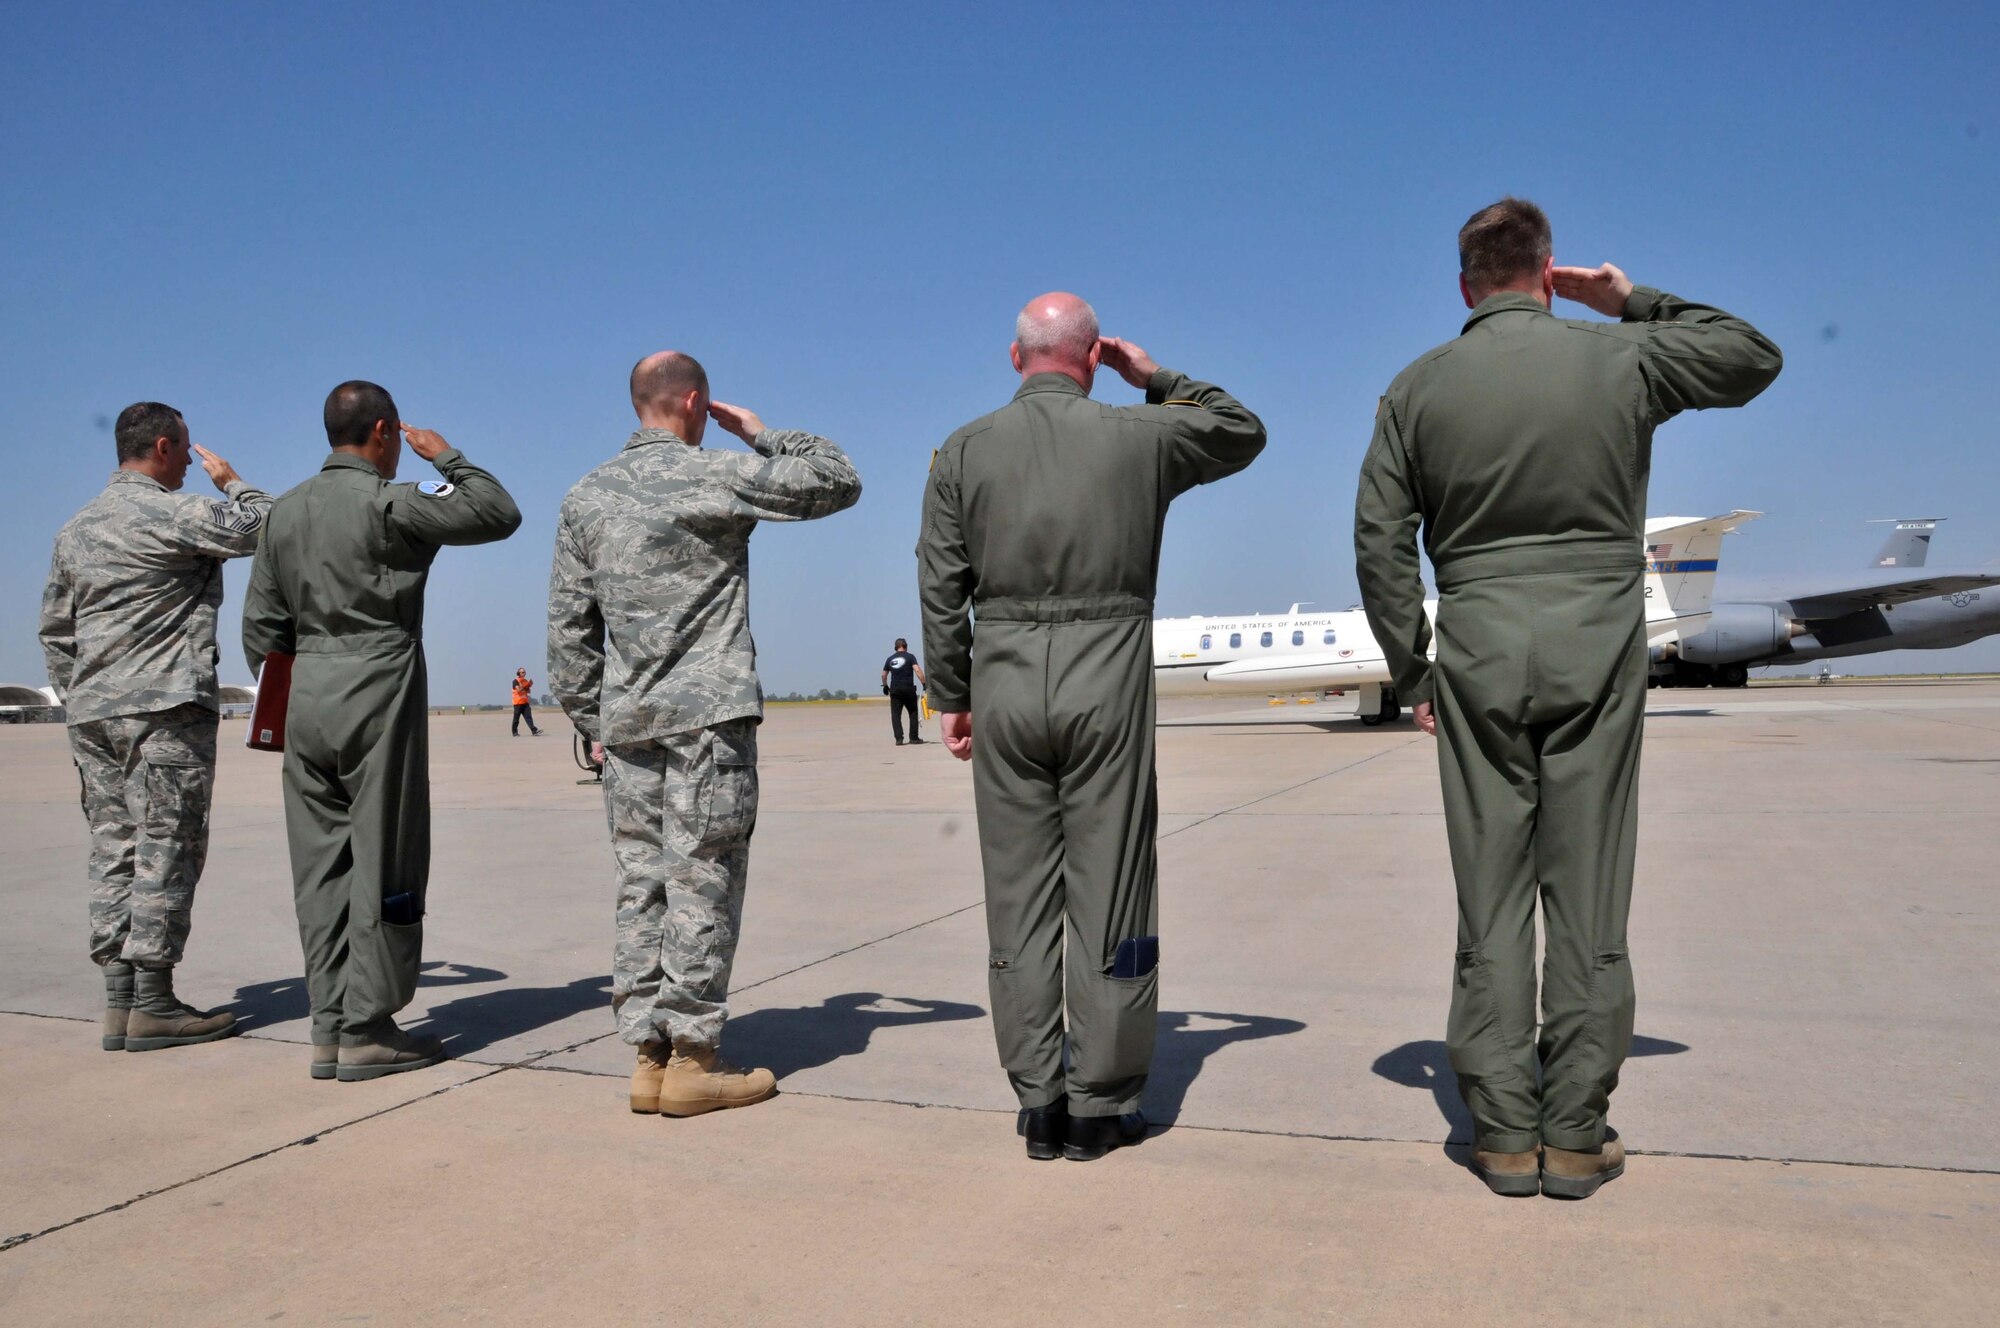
x=274 y=698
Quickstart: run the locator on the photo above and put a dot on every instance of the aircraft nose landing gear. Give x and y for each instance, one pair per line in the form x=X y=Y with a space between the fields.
x=1377 y=705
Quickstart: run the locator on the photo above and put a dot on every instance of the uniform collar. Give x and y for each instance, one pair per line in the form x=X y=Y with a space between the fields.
x=136 y=477
x=348 y=461
x=1506 y=302
x=1051 y=382
x=645 y=436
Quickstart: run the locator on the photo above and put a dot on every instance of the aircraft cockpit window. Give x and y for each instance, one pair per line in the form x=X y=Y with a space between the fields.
x=1206 y=641
x=1236 y=640
x=1329 y=636
x=1264 y=640
x=1298 y=638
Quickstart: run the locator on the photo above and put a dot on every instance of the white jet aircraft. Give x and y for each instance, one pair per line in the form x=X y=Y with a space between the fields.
x=1336 y=652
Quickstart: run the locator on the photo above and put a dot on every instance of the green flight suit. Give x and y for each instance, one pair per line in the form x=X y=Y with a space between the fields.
x=339 y=583
x=1523 y=450
x=1043 y=520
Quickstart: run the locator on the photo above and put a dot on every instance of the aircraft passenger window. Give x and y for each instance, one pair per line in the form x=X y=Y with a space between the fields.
x=1206 y=640
x=1298 y=638
x=1264 y=640
x=1329 y=636
x=1235 y=640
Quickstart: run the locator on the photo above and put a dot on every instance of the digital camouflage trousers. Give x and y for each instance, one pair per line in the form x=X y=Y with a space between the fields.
x=147 y=784
x=681 y=810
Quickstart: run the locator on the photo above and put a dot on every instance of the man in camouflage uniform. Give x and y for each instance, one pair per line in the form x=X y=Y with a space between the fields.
x=339 y=584
x=650 y=654
x=128 y=630
x=1041 y=537
x=1522 y=449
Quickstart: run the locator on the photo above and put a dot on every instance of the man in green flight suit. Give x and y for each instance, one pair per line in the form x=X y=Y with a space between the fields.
x=1044 y=520
x=339 y=583
x=1522 y=449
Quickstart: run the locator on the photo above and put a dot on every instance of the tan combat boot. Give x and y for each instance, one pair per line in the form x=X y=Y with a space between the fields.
x=117 y=1003
x=697 y=1080
x=1515 y=1175
x=646 y=1074
x=160 y=1019
x=389 y=1050
x=325 y=1061
x=1573 y=1175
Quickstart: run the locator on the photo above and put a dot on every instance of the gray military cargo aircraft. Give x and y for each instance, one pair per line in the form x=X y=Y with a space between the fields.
x=1897 y=604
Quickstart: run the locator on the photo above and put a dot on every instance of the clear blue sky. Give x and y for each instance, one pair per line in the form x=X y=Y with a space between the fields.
x=494 y=209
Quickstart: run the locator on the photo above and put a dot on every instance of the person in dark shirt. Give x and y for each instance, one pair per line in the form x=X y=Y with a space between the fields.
x=901 y=677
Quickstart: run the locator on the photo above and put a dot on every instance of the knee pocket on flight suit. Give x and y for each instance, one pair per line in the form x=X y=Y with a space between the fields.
x=403 y=953
x=1607 y=1021
x=1474 y=1040
x=1013 y=1005
x=1113 y=1024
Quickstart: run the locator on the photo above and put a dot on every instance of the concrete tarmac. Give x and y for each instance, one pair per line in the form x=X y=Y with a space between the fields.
x=1809 y=1102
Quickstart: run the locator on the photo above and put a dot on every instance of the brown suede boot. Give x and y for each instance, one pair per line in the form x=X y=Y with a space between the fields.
x=385 y=1050
x=652 y=1063
x=160 y=1019
x=1573 y=1175
x=1515 y=1175
x=697 y=1079
x=117 y=1003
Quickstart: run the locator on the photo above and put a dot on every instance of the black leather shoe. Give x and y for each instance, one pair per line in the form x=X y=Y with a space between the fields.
x=1091 y=1137
x=1045 y=1128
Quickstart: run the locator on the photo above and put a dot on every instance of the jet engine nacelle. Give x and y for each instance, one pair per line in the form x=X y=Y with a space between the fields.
x=1738 y=632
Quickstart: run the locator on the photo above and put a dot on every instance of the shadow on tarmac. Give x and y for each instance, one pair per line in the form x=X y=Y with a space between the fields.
x=474 y=1023
x=265 y=1003
x=793 y=1038
x=1427 y=1065
x=1187 y=1039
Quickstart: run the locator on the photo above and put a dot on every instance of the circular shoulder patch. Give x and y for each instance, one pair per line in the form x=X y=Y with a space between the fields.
x=435 y=489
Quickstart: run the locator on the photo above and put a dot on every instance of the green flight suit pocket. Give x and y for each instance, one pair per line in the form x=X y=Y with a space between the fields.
x=1113 y=1024
x=402 y=956
x=1472 y=1031
x=1608 y=1029
x=1012 y=1019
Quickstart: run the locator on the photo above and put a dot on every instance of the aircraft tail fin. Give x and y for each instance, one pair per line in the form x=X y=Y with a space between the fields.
x=1909 y=541
x=1682 y=554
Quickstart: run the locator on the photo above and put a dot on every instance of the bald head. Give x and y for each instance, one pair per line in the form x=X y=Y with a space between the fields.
x=1057 y=326
x=664 y=378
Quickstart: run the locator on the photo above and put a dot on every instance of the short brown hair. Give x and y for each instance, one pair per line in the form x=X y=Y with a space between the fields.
x=1503 y=241
x=142 y=422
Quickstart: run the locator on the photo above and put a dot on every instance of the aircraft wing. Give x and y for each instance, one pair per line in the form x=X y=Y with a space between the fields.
x=1889 y=591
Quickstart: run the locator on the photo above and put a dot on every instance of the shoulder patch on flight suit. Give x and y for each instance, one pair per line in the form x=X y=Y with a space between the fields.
x=231 y=517
x=436 y=489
